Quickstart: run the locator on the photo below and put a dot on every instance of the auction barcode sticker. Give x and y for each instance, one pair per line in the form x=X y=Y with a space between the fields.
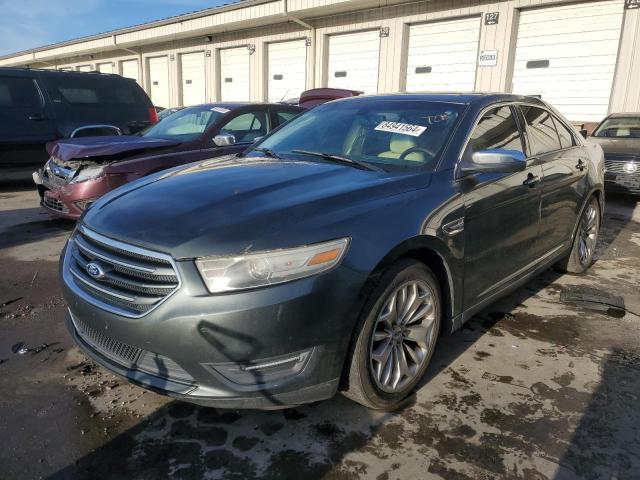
x=220 y=110
x=404 y=128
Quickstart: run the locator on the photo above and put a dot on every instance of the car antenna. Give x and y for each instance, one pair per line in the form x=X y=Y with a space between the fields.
x=285 y=94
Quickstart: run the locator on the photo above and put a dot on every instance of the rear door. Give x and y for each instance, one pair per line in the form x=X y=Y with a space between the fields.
x=564 y=168
x=501 y=221
x=26 y=123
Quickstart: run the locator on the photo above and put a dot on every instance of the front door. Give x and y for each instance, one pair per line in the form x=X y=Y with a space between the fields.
x=501 y=211
x=564 y=168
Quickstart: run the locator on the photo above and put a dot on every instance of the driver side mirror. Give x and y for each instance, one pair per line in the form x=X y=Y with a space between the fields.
x=495 y=161
x=584 y=132
x=224 y=140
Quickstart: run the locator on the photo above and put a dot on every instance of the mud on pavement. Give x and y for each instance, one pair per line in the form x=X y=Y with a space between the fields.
x=532 y=388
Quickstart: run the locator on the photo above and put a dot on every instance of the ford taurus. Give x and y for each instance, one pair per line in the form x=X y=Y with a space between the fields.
x=332 y=254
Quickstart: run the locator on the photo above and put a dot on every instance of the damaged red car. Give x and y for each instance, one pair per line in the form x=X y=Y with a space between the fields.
x=81 y=170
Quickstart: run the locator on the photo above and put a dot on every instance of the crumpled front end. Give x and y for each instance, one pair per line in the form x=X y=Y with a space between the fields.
x=67 y=189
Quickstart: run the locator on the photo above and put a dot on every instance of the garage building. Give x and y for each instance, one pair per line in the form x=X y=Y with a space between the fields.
x=583 y=57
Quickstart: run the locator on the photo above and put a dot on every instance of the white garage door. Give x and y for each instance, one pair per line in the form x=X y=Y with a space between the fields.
x=84 y=68
x=194 y=89
x=287 y=70
x=234 y=74
x=568 y=55
x=105 y=67
x=353 y=61
x=442 y=56
x=130 y=70
x=159 y=81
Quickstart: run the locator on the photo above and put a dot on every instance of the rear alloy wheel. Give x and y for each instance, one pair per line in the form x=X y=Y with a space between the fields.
x=582 y=253
x=397 y=336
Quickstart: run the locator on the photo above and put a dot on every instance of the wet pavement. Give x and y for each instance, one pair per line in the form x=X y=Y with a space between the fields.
x=532 y=388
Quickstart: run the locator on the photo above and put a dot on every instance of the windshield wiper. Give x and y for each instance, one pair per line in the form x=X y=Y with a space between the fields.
x=268 y=152
x=339 y=159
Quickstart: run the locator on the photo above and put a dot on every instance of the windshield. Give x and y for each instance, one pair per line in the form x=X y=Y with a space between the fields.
x=395 y=133
x=619 y=127
x=184 y=125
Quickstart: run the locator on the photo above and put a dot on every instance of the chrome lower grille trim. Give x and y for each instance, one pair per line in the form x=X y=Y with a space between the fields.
x=132 y=281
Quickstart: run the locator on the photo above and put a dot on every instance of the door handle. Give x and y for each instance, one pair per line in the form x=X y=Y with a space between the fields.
x=532 y=180
x=581 y=165
x=38 y=117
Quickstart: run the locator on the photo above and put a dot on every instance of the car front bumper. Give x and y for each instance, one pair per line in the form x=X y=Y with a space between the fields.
x=269 y=348
x=70 y=200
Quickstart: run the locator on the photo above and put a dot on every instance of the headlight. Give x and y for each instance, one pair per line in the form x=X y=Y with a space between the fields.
x=87 y=173
x=225 y=274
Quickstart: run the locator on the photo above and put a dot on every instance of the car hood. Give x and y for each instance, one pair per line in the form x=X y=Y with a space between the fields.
x=618 y=146
x=86 y=147
x=236 y=205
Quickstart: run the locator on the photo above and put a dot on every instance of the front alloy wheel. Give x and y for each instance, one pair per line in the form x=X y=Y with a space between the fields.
x=403 y=336
x=396 y=336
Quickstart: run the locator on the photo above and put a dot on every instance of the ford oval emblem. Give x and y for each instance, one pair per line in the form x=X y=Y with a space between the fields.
x=95 y=271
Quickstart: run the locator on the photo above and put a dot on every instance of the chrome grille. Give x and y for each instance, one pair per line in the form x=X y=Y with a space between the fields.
x=618 y=167
x=54 y=204
x=131 y=281
x=115 y=350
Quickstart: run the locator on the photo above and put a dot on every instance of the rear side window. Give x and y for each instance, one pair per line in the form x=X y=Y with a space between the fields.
x=247 y=126
x=543 y=136
x=19 y=93
x=93 y=90
x=566 y=137
x=284 y=116
x=497 y=129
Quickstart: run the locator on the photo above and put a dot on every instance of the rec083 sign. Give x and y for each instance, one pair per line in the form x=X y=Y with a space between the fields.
x=488 y=58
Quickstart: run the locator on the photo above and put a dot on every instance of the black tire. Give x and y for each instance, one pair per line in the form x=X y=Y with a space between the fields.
x=362 y=386
x=578 y=260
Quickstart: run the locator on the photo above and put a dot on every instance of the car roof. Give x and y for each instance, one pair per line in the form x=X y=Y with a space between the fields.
x=478 y=99
x=236 y=105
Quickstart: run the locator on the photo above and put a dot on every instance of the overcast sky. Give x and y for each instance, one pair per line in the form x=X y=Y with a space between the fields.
x=27 y=24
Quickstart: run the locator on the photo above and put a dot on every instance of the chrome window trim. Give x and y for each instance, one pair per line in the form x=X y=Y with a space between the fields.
x=89 y=127
x=69 y=277
x=516 y=103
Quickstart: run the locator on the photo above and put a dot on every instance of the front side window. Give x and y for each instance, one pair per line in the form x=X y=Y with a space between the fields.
x=393 y=133
x=19 y=93
x=619 y=127
x=541 y=130
x=184 y=125
x=246 y=127
x=497 y=130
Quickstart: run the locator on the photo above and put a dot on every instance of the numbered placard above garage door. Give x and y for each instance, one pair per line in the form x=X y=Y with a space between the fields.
x=130 y=69
x=567 y=54
x=354 y=60
x=287 y=70
x=442 y=56
x=194 y=84
x=159 y=81
x=234 y=74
